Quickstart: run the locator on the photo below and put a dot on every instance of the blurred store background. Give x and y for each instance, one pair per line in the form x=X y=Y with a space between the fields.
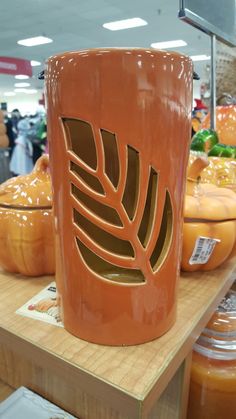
x=34 y=30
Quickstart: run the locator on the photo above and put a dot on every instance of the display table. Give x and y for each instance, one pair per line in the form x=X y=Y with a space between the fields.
x=98 y=382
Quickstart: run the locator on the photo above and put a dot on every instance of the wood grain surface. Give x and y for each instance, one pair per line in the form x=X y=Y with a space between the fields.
x=5 y=390
x=129 y=379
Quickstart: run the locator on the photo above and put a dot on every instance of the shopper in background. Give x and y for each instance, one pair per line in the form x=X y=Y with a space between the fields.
x=15 y=118
x=21 y=161
x=10 y=133
x=11 y=125
x=38 y=135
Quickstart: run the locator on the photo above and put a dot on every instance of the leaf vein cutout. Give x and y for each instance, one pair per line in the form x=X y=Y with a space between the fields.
x=122 y=219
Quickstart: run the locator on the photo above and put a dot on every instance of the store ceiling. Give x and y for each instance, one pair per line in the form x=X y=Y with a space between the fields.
x=77 y=24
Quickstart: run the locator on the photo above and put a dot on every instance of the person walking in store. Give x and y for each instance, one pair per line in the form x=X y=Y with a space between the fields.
x=11 y=123
x=38 y=136
x=21 y=161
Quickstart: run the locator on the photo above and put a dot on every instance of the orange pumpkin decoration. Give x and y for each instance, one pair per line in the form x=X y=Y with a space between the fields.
x=209 y=220
x=26 y=223
x=4 y=141
x=221 y=171
x=225 y=123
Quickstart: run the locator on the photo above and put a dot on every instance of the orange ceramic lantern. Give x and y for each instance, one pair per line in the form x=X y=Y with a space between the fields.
x=116 y=119
x=26 y=223
x=225 y=123
x=213 y=373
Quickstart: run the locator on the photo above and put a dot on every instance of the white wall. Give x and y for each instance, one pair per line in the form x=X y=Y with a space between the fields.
x=27 y=104
x=196 y=89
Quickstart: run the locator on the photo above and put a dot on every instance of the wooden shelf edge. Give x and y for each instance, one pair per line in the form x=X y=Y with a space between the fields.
x=5 y=391
x=77 y=377
x=112 y=375
x=156 y=389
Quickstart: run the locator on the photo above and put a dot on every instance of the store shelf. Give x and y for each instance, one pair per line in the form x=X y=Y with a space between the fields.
x=93 y=381
x=5 y=391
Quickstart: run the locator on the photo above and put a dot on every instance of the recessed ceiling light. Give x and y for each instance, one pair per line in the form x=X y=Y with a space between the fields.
x=169 y=44
x=30 y=91
x=125 y=24
x=202 y=57
x=21 y=77
x=20 y=90
x=23 y=84
x=35 y=63
x=9 y=94
x=37 y=40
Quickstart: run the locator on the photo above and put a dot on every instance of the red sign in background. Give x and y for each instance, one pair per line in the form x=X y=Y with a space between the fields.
x=15 y=66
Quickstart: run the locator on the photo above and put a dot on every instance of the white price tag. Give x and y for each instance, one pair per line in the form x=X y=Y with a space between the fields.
x=203 y=250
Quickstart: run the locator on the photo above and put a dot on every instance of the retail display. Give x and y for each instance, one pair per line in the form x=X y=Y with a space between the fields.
x=204 y=140
x=207 y=141
x=221 y=171
x=222 y=150
x=4 y=141
x=225 y=124
x=112 y=114
x=26 y=223
x=209 y=230
x=213 y=373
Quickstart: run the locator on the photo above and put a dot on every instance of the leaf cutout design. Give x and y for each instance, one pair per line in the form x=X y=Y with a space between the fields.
x=102 y=238
x=88 y=178
x=165 y=235
x=102 y=210
x=131 y=191
x=146 y=225
x=122 y=221
x=108 y=270
x=79 y=135
x=112 y=166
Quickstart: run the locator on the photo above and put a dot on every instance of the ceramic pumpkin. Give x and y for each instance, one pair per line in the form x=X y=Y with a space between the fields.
x=209 y=220
x=26 y=223
x=4 y=141
x=225 y=123
x=204 y=140
x=220 y=171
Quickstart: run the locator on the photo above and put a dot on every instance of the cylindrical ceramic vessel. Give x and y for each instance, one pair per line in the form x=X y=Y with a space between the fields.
x=119 y=125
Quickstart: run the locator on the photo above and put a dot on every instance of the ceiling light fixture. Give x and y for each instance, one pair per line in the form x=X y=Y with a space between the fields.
x=35 y=63
x=9 y=94
x=125 y=24
x=21 y=77
x=202 y=57
x=20 y=90
x=22 y=84
x=37 y=40
x=169 y=44
x=30 y=91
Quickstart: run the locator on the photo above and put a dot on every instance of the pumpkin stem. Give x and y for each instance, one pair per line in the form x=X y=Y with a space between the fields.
x=42 y=164
x=194 y=174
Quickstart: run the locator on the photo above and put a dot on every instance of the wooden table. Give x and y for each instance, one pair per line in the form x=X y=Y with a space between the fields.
x=100 y=382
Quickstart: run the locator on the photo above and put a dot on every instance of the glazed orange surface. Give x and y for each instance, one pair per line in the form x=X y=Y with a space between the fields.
x=225 y=125
x=27 y=241
x=112 y=114
x=212 y=389
x=222 y=322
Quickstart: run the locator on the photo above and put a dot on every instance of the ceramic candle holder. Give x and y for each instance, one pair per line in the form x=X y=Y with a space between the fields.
x=119 y=125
